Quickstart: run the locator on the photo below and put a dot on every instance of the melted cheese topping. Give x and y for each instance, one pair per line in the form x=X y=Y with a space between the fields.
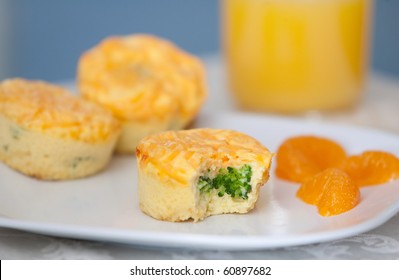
x=52 y=110
x=141 y=77
x=177 y=155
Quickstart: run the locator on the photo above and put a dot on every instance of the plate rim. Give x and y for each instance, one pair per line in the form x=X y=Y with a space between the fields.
x=203 y=241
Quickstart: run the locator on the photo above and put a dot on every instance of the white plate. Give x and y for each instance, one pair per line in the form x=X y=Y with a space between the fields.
x=105 y=207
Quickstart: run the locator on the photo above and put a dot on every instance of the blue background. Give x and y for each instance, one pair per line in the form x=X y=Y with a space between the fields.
x=46 y=37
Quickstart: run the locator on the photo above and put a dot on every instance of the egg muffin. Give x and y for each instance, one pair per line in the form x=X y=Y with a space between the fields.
x=148 y=83
x=192 y=174
x=47 y=133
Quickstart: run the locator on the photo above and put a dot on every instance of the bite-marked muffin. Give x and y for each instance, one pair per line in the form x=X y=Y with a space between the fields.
x=192 y=174
x=148 y=83
x=47 y=133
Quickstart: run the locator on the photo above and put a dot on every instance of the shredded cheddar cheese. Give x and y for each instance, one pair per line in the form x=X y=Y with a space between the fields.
x=176 y=154
x=141 y=77
x=50 y=109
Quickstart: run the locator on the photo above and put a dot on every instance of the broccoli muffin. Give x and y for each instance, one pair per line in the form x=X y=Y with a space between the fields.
x=47 y=133
x=148 y=83
x=196 y=173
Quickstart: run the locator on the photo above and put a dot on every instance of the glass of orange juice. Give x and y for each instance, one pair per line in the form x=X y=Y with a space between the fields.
x=292 y=56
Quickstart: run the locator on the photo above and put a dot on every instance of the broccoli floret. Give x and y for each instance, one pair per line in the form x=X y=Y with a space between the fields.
x=235 y=182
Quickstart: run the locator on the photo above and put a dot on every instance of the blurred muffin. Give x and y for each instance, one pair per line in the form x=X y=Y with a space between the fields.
x=148 y=83
x=47 y=133
x=192 y=174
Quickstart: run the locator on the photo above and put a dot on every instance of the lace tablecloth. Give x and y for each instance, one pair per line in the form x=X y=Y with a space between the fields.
x=379 y=109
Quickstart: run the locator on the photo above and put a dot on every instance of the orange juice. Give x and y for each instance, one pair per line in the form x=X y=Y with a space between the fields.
x=291 y=56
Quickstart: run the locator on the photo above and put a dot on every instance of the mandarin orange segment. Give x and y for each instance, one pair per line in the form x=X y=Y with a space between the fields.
x=301 y=157
x=313 y=188
x=332 y=191
x=371 y=168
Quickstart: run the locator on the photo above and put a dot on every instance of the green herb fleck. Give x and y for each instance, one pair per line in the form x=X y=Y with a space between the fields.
x=6 y=147
x=78 y=160
x=235 y=182
x=15 y=132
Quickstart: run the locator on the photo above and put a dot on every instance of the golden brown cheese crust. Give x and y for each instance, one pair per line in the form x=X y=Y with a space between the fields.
x=141 y=78
x=176 y=155
x=52 y=110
